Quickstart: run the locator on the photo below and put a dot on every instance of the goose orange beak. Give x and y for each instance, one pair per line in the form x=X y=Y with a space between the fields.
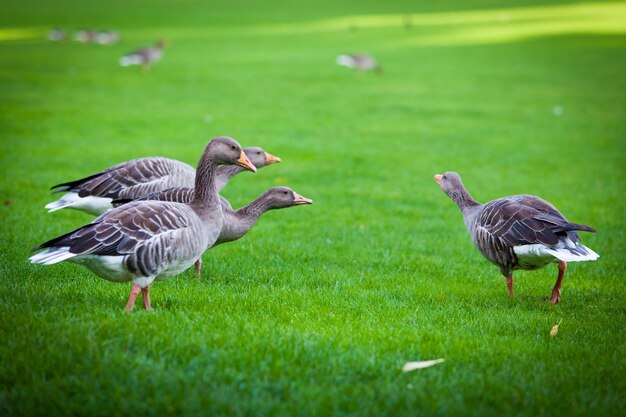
x=271 y=159
x=245 y=163
x=438 y=178
x=298 y=199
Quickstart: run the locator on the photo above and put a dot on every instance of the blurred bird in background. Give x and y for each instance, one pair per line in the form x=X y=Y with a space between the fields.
x=57 y=35
x=359 y=62
x=85 y=35
x=107 y=37
x=145 y=56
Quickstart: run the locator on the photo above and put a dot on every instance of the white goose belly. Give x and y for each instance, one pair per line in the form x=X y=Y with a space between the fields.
x=113 y=268
x=533 y=256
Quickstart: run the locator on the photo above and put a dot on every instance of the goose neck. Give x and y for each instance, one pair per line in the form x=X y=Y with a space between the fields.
x=254 y=210
x=205 y=191
x=463 y=199
x=228 y=171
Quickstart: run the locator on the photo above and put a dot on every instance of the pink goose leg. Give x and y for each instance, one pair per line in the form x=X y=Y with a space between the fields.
x=556 y=291
x=134 y=292
x=198 y=267
x=145 y=292
x=509 y=284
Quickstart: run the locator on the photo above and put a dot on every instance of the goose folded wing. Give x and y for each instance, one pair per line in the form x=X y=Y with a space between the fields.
x=174 y=194
x=133 y=178
x=517 y=224
x=140 y=173
x=125 y=231
x=538 y=204
x=103 y=183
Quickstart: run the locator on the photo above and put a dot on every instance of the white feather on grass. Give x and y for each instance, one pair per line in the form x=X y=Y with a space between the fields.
x=412 y=366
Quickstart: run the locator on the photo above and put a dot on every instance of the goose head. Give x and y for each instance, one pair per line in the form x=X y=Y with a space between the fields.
x=449 y=182
x=281 y=197
x=259 y=157
x=227 y=151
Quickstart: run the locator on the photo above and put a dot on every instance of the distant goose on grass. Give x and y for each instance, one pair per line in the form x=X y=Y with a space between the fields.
x=144 y=56
x=138 y=178
x=85 y=35
x=107 y=37
x=358 y=62
x=236 y=223
x=151 y=240
x=57 y=35
x=519 y=232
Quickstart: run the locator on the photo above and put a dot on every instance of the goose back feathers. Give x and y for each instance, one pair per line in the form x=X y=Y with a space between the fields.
x=131 y=179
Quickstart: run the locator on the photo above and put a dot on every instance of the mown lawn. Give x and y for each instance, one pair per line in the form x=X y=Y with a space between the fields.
x=316 y=310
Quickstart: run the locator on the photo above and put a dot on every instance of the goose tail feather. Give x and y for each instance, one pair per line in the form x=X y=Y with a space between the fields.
x=52 y=256
x=579 y=253
x=68 y=200
x=57 y=205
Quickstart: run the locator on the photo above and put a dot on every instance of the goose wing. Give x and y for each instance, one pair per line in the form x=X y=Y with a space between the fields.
x=135 y=178
x=525 y=220
x=151 y=235
x=174 y=194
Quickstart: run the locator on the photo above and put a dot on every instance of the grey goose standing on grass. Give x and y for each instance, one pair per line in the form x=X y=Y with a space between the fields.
x=151 y=240
x=236 y=223
x=519 y=232
x=138 y=178
x=145 y=56
x=358 y=62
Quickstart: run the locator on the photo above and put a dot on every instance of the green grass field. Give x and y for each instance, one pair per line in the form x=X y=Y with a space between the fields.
x=315 y=311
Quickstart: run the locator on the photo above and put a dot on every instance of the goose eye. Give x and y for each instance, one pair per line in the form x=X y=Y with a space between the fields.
x=444 y=177
x=285 y=192
x=233 y=147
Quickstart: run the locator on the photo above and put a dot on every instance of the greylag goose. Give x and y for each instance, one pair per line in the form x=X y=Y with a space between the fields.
x=107 y=37
x=151 y=240
x=519 y=232
x=57 y=35
x=85 y=35
x=139 y=177
x=144 y=56
x=358 y=62
x=236 y=223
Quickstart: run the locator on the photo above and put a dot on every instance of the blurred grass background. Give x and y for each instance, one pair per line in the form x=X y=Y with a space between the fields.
x=315 y=311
